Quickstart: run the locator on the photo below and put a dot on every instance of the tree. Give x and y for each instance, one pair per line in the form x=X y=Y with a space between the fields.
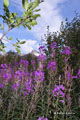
x=13 y=20
x=69 y=35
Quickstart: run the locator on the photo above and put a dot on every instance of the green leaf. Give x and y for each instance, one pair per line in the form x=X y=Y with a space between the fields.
x=2 y=27
x=34 y=22
x=12 y=21
x=16 y=43
x=15 y=14
x=6 y=3
x=9 y=38
x=18 y=50
x=30 y=4
x=36 y=3
x=3 y=51
x=28 y=27
x=37 y=10
x=22 y=42
x=36 y=15
x=18 y=40
x=18 y=46
x=25 y=4
x=18 y=20
x=28 y=20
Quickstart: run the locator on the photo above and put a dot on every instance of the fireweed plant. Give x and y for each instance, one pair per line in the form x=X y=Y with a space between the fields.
x=35 y=95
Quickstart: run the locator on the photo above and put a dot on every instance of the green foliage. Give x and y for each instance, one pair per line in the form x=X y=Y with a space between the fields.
x=9 y=38
x=6 y=3
x=18 y=50
x=25 y=4
x=13 y=20
x=69 y=35
x=22 y=42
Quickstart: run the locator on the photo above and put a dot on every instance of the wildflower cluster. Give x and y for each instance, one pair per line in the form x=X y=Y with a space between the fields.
x=41 y=49
x=52 y=65
x=42 y=57
x=19 y=74
x=1 y=85
x=35 y=93
x=4 y=66
x=16 y=86
x=39 y=76
x=66 y=51
x=53 y=45
x=24 y=62
x=58 y=91
x=42 y=118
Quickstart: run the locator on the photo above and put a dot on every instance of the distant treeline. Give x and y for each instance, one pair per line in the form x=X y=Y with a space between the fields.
x=11 y=57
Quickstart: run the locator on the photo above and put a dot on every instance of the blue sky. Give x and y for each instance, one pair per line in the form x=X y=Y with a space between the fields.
x=52 y=13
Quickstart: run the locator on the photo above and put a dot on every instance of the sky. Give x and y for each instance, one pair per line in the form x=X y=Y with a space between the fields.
x=52 y=13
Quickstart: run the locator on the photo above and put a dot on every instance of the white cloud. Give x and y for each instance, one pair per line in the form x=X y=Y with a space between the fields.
x=50 y=15
x=25 y=48
x=29 y=46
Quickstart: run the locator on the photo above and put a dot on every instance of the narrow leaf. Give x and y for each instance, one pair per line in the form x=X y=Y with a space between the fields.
x=18 y=50
x=22 y=42
x=34 y=22
x=37 y=10
x=28 y=27
x=25 y=4
x=6 y=3
x=9 y=38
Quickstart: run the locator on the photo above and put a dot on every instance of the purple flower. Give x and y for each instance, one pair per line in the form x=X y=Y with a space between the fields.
x=24 y=62
x=61 y=87
x=45 y=118
x=16 y=86
x=69 y=76
x=41 y=49
x=19 y=74
x=7 y=76
x=4 y=66
x=75 y=77
x=61 y=93
x=53 y=45
x=42 y=57
x=28 y=86
x=16 y=63
x=66 y=51
x=39 y=75
x=62 y=101
x=79 y=72
x=58 y=91
x=24 y=92
x=42 y=118
x=33 y=62
x=1 y=85
x=52 y=65
x=43 y=66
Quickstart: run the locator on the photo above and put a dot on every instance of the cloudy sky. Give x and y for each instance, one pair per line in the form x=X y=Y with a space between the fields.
x=52 y=13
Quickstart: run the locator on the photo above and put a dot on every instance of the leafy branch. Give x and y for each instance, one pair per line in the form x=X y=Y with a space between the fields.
x=13 y=20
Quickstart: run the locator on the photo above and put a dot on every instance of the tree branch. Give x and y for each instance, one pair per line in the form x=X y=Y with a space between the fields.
x=12 y=28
